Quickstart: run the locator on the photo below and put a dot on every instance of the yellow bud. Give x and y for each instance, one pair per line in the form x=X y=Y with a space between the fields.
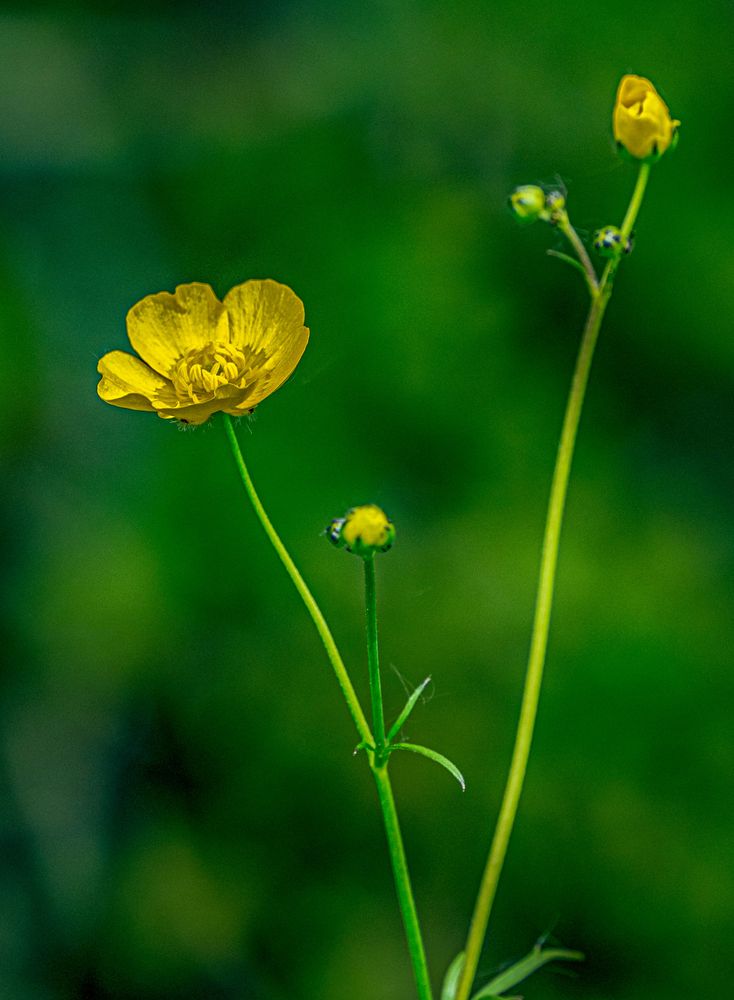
x=642 y=122
x=363 y=531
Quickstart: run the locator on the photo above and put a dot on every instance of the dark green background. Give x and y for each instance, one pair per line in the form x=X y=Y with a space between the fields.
x=181 y=815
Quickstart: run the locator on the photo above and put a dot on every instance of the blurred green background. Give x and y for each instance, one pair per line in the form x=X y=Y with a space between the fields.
x=182 y=816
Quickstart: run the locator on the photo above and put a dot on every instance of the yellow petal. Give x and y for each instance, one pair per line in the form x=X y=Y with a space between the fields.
x=267 y=317
x=129 y=382
x=163 y=328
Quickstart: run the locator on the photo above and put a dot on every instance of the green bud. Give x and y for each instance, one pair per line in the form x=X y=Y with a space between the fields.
x=555 y=205
x=528 y=203
x=555 y=201
x=609 y=242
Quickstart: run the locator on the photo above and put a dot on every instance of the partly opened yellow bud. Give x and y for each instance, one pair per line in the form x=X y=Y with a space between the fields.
x=642 y=122
x=363 y=531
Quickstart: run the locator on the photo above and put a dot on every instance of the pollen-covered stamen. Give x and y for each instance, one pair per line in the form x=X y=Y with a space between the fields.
x=199 y=374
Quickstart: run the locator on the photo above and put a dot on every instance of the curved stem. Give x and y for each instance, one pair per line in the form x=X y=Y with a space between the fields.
x=384 y=790
x=574 y=239
x=373 y=658
x=350 y=695
x=402 y=883
x=543 y=606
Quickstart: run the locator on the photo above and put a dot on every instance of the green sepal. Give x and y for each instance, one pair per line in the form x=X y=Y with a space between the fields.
x=537 y=958
x=409 y=706
x=432 y=755
x=451 y=979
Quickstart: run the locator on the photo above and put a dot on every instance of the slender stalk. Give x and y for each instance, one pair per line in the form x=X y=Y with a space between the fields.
x=378 y=763
x=543 y=606
x=574 y=239
x=373 y=657
x=384 y=790
x=636 y=200
x=607 y=280
x=402 y=883
x=350 y=695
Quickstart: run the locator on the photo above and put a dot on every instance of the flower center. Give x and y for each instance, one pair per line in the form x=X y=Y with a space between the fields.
x=199 y=374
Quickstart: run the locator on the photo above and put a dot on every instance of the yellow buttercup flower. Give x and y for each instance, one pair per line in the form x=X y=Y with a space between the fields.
x=642 y=122
x=200 y=355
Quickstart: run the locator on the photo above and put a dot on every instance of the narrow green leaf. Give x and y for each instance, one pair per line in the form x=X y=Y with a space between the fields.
x=432 y=755
x=409 y=706
x=569 y=260
x=451 y=979
x=524 y=968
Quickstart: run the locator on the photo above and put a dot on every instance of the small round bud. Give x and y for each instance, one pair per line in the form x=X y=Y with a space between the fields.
x=363 y=531
x=609 y=242
x=555 y=204
x=555 y=201
x=528 y=203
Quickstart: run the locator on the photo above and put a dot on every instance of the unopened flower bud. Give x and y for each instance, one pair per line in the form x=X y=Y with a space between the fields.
x=528 y=203
x=363 y=531
x=642 y=123
x=609 y=242
x=555 y=203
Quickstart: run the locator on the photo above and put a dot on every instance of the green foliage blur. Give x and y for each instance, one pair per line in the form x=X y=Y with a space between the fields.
x=181 y=815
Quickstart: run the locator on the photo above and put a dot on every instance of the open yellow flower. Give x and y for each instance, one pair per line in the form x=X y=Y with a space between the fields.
x=642 y=122
x=200 y=355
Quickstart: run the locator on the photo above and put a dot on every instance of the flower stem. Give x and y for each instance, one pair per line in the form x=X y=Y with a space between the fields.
x=402 y=882
x=574 y=239
x=350 y=695
x=543 y=605
x=378 y=763
x=373 y=658
x=379 y=770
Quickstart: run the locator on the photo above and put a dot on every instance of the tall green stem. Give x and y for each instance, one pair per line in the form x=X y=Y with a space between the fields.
x=350 y=695
x=543 y=606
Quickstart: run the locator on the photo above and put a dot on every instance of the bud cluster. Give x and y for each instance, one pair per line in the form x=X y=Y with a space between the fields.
x=531 y=203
